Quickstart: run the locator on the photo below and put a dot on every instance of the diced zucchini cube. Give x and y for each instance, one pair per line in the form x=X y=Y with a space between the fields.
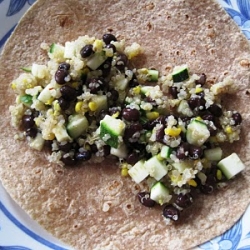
x=96 y=60
x=101 y=102
x=156 y=168
x=180 y=73
x=45 y=94
x=183 y=108
x=160 y=193
x=38 y=142
x=197 y=133
x=165 y=152
x=231 y=165
x=111 y=129
x=213 y=154
x=61 y=133
x=120 y=152
x=138 y=172
x=77 y=125
x=153 y=75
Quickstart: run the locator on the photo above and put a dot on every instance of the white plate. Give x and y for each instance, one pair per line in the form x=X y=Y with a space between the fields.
x=19 y=232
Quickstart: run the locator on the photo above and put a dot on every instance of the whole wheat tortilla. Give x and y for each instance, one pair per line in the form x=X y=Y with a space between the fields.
x=69 y=202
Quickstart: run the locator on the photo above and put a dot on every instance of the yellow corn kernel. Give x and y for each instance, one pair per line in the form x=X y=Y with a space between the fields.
x=92 y=106
x=198 y=90
x=159 y=157
x=152 y=115
x=56 y=106
x=124 y=172
x=198 y=118
x=172 y=131
x=192 y=183
x=175 y=178
x=116 y=114
x=137 y=90
x=50 y=136
x=49 y=102
x=78 y=106
x=228 y=130
x=38 y=121
x=143 y=71
x=13 y=86
x=218 y=174
x=98 y=45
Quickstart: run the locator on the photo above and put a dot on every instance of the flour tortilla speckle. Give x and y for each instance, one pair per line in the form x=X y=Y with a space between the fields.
x=69 y=202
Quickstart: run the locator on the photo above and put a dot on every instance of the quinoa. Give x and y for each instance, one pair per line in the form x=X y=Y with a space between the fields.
x=88 y=103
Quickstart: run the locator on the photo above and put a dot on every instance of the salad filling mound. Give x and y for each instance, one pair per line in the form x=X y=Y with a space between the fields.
x=89 y=102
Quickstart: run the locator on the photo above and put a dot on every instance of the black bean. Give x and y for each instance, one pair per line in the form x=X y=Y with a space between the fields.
x=108 y=38
x=31 y=132
x=237 y=118
x=69 y=161
x=195 y=152
x=171 y=212
x=106 y=150
x=132 y=132
x=60 y=76
x=202 y=80
x=28 y=121
x=65 y=147
x=206 y=188
x=48 y=144
x=83 y=155
x=130 y=114
x=194 y=102
x=111 y=46
x=133 y=157
x=202 y=104
x=215 y=110
x=213 y=130
x=208 y=117
x=101 y=115
x=133 y=82
x=64 y=66
x=150 y=100
x=87 y=51
x=182 y=151
x=114 y=95
x=64 y=104
x=68 y=93
x=149 y=125
x=105 y=68
x=144 y=198
x=160 y=133
x=217 y=123
x=197 y=102
x=35 y=113
x=173 y=92
x=184 y=200
x=121 y=62
x=93 y=148
x=96 y=84
x=161 y=119
x=186 y=119
x=137 y=146
x=79 y=90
